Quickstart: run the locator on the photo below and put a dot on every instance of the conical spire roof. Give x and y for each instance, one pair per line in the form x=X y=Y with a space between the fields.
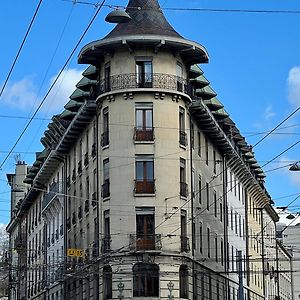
x=147 y=19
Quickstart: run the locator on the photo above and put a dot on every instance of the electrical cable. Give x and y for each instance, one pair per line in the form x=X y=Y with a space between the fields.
x=21 y=47
x=54 y=82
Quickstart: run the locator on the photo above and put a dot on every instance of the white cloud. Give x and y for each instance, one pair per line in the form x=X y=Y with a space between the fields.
x=23 y=93
x=269 y=113
x=294 y=86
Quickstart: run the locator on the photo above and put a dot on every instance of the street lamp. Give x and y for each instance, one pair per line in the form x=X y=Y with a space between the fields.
x=295 y=166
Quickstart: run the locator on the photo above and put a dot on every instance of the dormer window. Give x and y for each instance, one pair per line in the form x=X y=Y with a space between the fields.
x=144 y=72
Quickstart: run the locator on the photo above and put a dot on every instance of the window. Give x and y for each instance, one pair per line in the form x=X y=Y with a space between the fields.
x=179 y=73
x=145 y=280
x=222 y=252
x=184 y=282
x=182 y=133
x=105 y=134
x=215 y=161
x=182 y=175
x=106 y=230
x=144 y=72
x=201 y=238
x=107 y=83
x=107 y=282
x=207 y=196
x=208 y=242
x=199 y=143
x=145 y=229
x=221 y=211
x=216 y=247
x=192 y=136
x=144 y=122
x=105 y=185
x=206 y=150
x=215 y=204
x=200 y=190
x=144 y=174
x=231 y=218
x=184 y=238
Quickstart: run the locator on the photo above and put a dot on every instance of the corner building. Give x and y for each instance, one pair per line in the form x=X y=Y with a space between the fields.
x=146 y=173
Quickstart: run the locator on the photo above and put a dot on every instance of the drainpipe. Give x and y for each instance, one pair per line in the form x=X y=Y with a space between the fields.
x=225 y=215
x=98 y=209
x=192 y=215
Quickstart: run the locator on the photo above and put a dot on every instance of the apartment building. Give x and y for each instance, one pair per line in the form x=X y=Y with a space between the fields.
x=145 y=187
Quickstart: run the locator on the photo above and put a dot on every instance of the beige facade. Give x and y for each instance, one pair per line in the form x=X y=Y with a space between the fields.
x=145 y=188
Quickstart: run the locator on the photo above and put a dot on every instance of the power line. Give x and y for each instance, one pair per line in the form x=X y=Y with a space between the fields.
x=53 y=83
x=195 y=9
x=21 y=47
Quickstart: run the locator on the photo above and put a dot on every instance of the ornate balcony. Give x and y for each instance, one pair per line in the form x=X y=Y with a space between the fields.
x=144 y=187
x=144 y=134
x=155 y=80
x=183 y=189
x=138 y=242
x=185 y=244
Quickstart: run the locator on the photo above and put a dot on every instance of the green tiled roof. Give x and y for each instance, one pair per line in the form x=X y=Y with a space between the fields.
x=78 y=94
x=213 y=103
x=73 y=105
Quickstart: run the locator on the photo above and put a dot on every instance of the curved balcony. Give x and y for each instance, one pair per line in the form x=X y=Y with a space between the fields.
x=146 y=81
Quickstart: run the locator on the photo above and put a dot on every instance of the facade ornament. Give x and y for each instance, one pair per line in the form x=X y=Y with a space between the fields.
x=121 y=289
x=170 y=288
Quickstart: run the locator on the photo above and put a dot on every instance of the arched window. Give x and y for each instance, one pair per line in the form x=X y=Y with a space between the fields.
x=184 y=282
x=145 y=280
x=107 y=282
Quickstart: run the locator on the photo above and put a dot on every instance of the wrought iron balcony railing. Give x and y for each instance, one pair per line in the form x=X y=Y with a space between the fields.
x=144 y=134
x=106 y=244
x=185 y=244
x=182 y=138
x=138 y=242
x=183 y=189
x=144 y=187
x=155 y=80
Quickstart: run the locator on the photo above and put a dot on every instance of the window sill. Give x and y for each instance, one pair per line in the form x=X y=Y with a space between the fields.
x=183 y=197
x=105 y=147
x=106 y=199
x=144 y=195
x=182 y=146
x=144 y=142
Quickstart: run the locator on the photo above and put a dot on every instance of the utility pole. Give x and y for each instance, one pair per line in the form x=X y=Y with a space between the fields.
x=240 y=273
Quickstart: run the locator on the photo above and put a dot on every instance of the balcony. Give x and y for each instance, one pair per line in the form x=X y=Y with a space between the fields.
x=139 y=242
x=182 y=138
x=185 y=244
x=105 y=139
x=105 y=192
x=155 y=80
x=183 y=189
x=54 y=189
x=79 y=212
x=106 y=242
x=144 y=134
x=74 y=218
x=144 y=187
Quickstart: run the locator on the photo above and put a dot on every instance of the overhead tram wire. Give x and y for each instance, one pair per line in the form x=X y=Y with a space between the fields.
x=196 y=9
x=21 y=47
x=54 y=82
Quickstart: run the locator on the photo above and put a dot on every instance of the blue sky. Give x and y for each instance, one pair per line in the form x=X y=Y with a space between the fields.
x=254 y=67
